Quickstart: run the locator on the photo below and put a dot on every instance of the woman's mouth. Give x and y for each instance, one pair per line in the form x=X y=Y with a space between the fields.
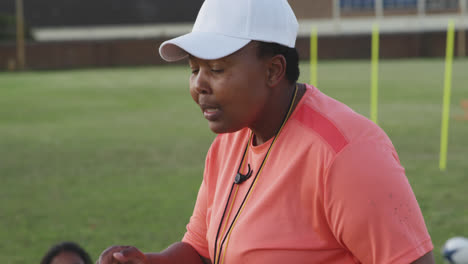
x=211 y=114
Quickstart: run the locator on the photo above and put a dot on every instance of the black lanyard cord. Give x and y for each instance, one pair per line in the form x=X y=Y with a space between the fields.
x=229 y=197
x=286 y=117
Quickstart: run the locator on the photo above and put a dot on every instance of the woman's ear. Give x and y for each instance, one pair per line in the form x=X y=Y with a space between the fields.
x=276 y=70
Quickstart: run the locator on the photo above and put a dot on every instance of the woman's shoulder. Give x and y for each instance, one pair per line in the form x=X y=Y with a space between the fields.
x=336 y=121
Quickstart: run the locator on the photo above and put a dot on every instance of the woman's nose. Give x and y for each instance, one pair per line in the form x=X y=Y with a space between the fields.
x=200 y=83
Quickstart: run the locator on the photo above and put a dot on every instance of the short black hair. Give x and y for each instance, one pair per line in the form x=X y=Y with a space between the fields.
x=290 y=54
x=66 y=247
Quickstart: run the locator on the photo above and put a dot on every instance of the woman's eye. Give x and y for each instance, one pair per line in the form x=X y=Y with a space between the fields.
x=194 y=71
x=217 y=70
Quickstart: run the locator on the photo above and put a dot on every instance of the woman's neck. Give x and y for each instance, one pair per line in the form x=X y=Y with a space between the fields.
x=274 y=115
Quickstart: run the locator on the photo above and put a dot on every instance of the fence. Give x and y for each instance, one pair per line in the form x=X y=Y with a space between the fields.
x=422 y=5
x=340 y=36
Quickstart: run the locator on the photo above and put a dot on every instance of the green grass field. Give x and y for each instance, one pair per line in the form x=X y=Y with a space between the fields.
x=115 y=156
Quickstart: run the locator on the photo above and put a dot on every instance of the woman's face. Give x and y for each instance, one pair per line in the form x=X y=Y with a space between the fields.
x=230 y=91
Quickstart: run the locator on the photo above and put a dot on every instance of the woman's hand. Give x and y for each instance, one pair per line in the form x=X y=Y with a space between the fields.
x=179 y=252
x=122 y=254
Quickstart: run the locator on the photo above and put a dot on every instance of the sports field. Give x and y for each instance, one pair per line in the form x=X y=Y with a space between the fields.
x=115 y=156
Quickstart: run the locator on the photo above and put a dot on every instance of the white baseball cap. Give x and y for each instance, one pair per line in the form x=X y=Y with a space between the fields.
x=224 y=26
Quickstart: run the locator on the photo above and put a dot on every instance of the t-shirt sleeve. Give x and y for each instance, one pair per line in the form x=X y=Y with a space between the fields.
x=371 y=208
x=197 y=226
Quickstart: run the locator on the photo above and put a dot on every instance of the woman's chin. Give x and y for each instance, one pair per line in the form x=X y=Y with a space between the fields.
x=220 y=128
x=217 y=128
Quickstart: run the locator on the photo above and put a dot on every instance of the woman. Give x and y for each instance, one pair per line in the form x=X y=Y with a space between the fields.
x=293 y=176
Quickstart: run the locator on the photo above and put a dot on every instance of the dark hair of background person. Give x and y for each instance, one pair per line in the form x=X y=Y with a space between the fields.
x=66 y=247
x=290 y=54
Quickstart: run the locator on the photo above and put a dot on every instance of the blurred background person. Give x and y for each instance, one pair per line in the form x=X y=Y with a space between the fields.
x=66 y=253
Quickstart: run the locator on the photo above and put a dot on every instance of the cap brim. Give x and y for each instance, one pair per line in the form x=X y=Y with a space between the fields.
x=203 y=45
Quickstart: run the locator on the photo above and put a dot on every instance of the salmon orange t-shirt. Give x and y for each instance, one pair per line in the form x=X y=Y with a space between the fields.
x=332 y=190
